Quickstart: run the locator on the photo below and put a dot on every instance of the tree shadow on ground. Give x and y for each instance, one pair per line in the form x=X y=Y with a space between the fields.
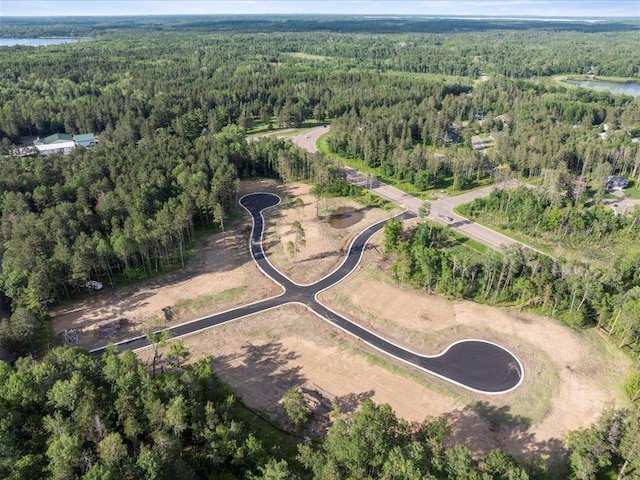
x=483 y=427
x=321 y=256
x=350 y=402
x=260 y=374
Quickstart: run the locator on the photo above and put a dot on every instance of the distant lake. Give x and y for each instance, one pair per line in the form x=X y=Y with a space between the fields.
x=628 y=88
x=36 y=42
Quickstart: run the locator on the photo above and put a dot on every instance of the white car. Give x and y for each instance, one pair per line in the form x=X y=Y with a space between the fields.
x=94 y=285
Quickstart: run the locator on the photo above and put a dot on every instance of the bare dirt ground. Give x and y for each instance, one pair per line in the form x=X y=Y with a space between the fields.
x=569 y=378
x=220 y=271
x=263 y=355
x=325 y=245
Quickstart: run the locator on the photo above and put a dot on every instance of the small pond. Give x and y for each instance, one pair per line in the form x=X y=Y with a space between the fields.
x=344 y=217
x=627 y=88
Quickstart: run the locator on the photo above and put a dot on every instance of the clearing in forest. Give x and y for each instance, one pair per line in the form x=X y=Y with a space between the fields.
x=569 y=379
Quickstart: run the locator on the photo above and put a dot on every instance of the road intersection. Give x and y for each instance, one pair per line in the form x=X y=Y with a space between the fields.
x=477 y=365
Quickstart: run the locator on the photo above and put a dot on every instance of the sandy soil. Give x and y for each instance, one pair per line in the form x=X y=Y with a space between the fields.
x=325 y=245
x=263 y=355
x=220 y=263
x=569 y=378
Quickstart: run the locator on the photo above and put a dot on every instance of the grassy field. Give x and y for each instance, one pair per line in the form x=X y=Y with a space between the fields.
x=309 y=56
x=633 y=191
x=183 y=309
x=261 y=129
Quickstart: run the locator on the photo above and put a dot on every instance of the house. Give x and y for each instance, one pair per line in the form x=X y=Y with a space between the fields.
x=63 y=143
x=58 y=138
x=59 y=146
x=616 y=183
x=452 y=137
x=505 y=118
x=85 y=140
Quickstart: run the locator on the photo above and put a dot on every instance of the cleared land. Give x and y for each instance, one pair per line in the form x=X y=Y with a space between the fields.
x=570 y=378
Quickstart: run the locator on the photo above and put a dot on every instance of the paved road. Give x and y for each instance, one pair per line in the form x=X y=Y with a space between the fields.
x=474 y=364
x=440 y=208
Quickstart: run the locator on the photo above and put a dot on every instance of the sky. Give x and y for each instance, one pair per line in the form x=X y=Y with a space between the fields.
x=511 y=8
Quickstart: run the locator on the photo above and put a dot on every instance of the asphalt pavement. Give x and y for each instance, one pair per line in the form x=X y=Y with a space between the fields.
x=474 y=364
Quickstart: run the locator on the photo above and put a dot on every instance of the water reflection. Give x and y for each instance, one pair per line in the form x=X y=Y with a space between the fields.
x=627 y=88
x=344 y=217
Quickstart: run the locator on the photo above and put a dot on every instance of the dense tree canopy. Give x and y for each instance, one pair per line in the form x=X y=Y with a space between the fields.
x=172 y=101
x=70 y=415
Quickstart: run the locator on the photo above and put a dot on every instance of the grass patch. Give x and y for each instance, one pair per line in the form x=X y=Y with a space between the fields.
x=192 y=305
x=308 y=56
x=633 y=191
x=610 y=358
x=469 y=243
x=515 y=235
x=261 y=129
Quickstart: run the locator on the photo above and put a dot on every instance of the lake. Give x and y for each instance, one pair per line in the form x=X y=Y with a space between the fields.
x=36 y=42
x=628 y=88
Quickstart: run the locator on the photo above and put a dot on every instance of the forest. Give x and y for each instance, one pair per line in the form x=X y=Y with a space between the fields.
x=172 y=100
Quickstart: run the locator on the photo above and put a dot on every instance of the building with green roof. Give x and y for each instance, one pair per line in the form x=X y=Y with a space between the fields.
x=58 y=138
x=85 y=139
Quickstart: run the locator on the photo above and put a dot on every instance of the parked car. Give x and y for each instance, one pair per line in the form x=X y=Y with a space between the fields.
x=448 y=218
x=94 y=285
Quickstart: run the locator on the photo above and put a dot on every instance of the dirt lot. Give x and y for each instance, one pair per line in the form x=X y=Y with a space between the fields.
x=219 y=275
x=569 y=378
x=325 y=245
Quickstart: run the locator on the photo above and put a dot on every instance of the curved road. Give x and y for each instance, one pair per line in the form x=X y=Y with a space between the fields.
x=474 y=364
x=439 y=208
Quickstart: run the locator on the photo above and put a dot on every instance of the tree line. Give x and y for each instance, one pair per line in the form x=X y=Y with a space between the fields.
x=71 y=415
x=114 y=214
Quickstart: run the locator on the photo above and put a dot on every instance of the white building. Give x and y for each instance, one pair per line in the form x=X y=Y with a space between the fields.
x=63 y=143
x=58 y=147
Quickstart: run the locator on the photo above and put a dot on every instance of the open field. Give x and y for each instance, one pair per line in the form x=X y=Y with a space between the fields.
x=569 y=379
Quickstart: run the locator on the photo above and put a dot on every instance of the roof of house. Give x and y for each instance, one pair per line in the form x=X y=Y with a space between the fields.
x=617 y=183
x=57 y=137
x=85 y=137
x=52 y=147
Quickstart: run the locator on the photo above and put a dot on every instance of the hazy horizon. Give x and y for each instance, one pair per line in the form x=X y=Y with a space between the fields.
x=546 y=9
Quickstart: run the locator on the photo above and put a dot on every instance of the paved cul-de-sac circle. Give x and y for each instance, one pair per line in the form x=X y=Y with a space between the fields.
x=474 y=364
